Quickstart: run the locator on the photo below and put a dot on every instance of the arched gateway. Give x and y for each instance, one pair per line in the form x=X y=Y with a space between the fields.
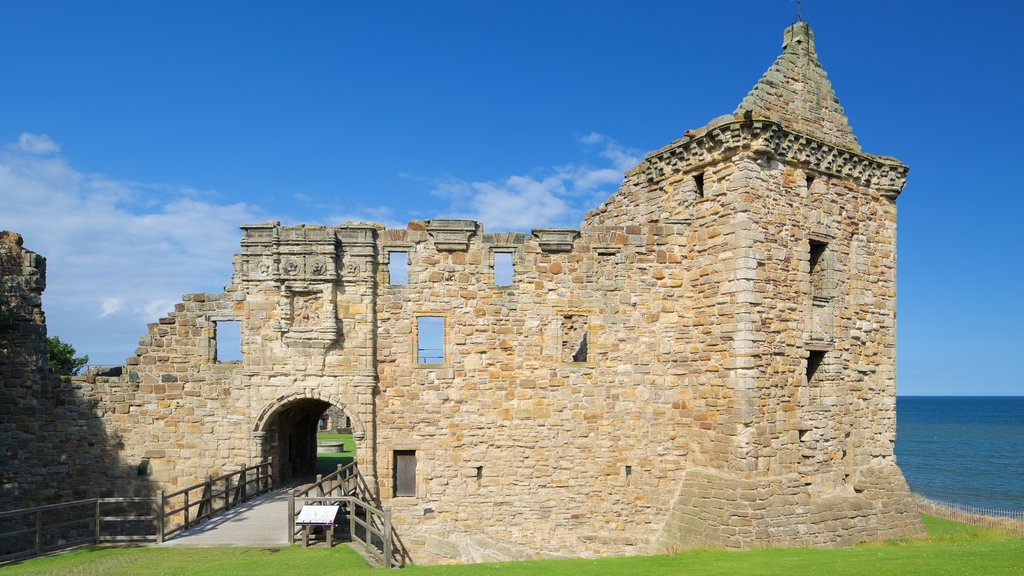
x=286 y=430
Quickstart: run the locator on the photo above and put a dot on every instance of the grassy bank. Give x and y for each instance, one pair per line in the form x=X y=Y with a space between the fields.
x=951 y=548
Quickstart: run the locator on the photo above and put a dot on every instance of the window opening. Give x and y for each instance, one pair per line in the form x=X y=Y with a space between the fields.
x=814 y=360
x=817 y=251
x=574 y=338
x=503 y=268
x=228 y=340
x=810 y=181
x=698 y=181
x=430 y=340
x=398 y=268
x=405 y=473
x=479 y=472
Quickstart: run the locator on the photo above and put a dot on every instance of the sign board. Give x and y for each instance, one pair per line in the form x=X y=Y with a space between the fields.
x=317 y=515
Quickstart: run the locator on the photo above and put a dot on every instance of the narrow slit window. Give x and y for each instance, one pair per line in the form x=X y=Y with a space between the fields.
x=430 y=340
x=398 y=268
x=698 y=182
x=814 y=360
x=228 y=340
x=822 y=285
x=816 y=253
x=810 y=181
x=503 y=268
x=574 y=338
x=405 y=473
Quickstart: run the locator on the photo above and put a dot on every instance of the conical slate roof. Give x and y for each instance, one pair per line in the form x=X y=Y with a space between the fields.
x=796 y=92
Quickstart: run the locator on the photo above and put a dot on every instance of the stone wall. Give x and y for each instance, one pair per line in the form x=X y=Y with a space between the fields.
x=56 y=441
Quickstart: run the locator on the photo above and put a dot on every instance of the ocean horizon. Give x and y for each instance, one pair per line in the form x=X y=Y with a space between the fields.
x=963 y=449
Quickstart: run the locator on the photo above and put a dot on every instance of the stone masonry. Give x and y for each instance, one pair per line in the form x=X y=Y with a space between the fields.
x=57 y=441
x=708 y=361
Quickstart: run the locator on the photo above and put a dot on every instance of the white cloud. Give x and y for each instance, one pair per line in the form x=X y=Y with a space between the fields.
x=558 y=198
x=119 y=254
x=110 y=306
x=37 y=144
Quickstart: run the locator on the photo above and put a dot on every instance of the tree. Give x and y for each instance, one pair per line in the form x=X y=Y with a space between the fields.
x=62 y=357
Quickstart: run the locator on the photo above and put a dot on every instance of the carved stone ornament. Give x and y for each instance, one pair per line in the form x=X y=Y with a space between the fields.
x=451 y=235
x=556 y=239
x=769 y=138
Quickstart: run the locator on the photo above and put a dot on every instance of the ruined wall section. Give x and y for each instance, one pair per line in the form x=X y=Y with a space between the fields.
x=187 y=407
x=55 y=438
x=522 y=451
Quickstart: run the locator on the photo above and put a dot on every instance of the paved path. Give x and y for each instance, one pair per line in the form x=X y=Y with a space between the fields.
x=258 y=522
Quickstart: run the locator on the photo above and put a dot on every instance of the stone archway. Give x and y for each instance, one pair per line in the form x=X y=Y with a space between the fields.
x=286 y=430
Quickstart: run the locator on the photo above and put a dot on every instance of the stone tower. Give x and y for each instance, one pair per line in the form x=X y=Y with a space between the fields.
x=792 y=293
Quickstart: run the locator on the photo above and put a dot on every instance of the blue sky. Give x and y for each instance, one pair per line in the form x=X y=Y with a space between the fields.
x=135 y=137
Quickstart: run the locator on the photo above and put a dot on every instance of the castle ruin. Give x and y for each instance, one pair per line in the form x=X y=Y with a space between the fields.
x=708 y=361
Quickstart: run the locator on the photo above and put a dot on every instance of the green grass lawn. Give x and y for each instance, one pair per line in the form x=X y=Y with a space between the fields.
x=327 y=462
x=951 y=548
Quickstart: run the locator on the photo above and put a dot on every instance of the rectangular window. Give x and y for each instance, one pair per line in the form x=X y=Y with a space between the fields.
x=227 y=336
x=814 y=360
x=698 y=183
x=398 y=268
x=405 y=473
x=503 y=268
x=822 y=270
x=574 y=338
x=430 y=340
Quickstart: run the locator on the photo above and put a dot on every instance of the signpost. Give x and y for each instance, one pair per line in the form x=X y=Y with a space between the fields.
x=317 y=516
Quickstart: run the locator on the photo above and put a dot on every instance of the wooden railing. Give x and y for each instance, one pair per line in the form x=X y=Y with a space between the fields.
x=367 y=522
x=40 y=529
x=180 y=510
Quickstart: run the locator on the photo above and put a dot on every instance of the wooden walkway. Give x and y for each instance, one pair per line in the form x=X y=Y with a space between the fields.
x=259 y=522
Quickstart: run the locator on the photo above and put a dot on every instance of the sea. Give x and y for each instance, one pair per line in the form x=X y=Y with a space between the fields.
x=963 y=449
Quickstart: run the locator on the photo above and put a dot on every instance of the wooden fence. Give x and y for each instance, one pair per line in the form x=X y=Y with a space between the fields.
x=1001 y=518
x=366 y=523
x=33 y=531
x=181 y=509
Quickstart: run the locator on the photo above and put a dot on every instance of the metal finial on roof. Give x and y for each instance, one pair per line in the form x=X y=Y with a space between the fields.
x=799 y=18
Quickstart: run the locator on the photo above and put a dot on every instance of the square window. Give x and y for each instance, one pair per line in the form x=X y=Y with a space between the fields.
x=398 y=268
x=227 y=337
x=430 y=340
x=574 y=338
x=503 y=268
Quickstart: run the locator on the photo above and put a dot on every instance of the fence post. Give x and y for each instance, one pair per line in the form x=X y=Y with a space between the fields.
x=387 y=537
x=186 y=509
x=291 y=517
x=97 y=520
x=352 y=519
x=160 y=517
x=241 y=486
x=39 y=532
x=207 y=503
x=270 y=473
